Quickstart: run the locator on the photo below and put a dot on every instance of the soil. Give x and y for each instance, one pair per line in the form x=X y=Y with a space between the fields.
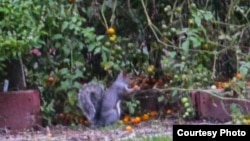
x=117 y=132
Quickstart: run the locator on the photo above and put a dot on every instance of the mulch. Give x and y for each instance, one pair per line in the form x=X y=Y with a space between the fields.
x=117 y=132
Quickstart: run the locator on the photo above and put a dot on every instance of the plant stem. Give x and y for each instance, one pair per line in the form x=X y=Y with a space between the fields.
x=23 y=73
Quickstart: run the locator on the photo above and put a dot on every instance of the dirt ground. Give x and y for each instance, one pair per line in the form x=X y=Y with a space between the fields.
x=114 y=133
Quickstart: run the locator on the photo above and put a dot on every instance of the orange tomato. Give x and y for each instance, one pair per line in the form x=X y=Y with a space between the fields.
x=169 y=112
x=133 y=120
x=136 y=87
x=137 y=119
x=153 y=113
x=129 y=128
x=145 y=117
x=218 y=85
x=51 y=79
x=248 y=121
x=111 y=31
x=239 y=76
x=126 y=119
x=49 y=135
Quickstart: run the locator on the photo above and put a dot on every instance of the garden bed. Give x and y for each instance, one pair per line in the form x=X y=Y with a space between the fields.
x=20 y=109
x=209 y=105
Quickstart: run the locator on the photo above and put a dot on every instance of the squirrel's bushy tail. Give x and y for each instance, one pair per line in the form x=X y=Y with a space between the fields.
x=90 y=99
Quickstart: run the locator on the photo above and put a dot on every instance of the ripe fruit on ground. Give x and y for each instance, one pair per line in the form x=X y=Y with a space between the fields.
x=153 y=113
x=49 y=135
x=135 y=120
x=129 y=128
x=111 y=31
x=126 y=119
x=248 y=121
x=145 y=117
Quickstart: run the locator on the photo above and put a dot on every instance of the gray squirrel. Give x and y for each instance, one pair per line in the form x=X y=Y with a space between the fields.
x=102 y=106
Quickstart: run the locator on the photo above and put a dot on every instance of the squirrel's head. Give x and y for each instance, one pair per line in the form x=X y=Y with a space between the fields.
x=123 y=73
x=124 y=77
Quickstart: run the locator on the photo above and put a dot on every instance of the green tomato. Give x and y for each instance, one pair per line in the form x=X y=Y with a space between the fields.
x=189 y=110
x=186 y=114
x=213 y=87
x=184 y=99
x=186 y=104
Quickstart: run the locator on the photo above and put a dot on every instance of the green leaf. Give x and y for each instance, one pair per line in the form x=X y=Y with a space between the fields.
x=97 y=50
x=72 y=98
x=197 y=20
x=64 y=85
x=91 y=47
x=74 y=19
x=173 y=54
x=66 y=50
x=57 y=37
x=104 y=57
x=208 y=16
x=175 y=92
x=65 y=25
x=77 y=85
x=105 y=49
x=195 y=42
x=66 y=60
x=78 y=74
x=64 y=71
x=243 y=70
x=100 y=37
x=185 y=45
x=145 y=51
x=78 y=64
x=161 y=98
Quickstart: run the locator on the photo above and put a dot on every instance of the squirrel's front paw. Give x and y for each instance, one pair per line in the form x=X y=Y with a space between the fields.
x=136 y=87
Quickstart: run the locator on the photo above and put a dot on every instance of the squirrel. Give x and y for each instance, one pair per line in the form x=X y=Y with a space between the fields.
x=100 y=105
